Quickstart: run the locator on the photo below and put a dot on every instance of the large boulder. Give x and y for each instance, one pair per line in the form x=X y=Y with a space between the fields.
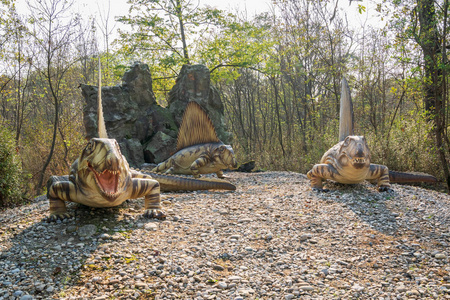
x=145 y=131
x=159 y=148
x=193 y=84
x=125 y=107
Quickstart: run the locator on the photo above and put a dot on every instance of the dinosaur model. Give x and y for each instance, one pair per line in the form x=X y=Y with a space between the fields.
x=349 y=161
x=101 y=177
x=199 y=150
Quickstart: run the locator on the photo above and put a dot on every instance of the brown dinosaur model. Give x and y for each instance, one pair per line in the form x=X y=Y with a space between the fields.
x=101 y=177
x=199 y=150
x=349 y=160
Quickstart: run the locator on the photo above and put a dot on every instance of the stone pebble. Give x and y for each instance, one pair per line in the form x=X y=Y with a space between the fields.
x=272 y=238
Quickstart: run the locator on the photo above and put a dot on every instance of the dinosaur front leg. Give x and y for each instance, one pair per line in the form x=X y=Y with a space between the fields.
x=57 y=193
x=165 y=165
x=381 y=174
x=318 y=173
x=220 y=174
x=197 y=164
x=144 y=186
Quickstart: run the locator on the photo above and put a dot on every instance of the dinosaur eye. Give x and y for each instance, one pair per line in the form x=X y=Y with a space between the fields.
x=89 y=146
x=346 y=142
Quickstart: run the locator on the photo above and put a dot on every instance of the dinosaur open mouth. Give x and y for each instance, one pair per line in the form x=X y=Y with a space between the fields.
x=359 y=160
x=107 y=181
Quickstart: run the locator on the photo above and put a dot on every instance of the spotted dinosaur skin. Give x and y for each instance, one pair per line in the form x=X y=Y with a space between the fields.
x=102 y=177
x=200 y=159
x=199 y=150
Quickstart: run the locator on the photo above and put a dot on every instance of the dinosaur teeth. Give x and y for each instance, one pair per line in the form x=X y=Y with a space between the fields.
x=107 y=181
x=109 y=171
x=360 y=160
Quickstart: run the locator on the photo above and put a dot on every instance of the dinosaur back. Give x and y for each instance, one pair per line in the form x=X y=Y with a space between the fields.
x=196 y=127
x=346 y=112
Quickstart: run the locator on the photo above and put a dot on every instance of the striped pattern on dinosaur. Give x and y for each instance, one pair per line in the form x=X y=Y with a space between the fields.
x=349 y=160
x=102 y=177
x=199 y=150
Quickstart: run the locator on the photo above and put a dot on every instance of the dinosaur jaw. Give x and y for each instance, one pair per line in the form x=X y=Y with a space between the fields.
x=107 y=181
x=359 y=162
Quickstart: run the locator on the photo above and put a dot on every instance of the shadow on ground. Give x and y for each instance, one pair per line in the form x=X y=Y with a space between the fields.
x=370 y=205
x=45 y=256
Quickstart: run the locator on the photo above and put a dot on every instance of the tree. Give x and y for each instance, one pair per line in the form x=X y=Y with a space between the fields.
x=54 y=39
x=165 y=33
x=427 y=26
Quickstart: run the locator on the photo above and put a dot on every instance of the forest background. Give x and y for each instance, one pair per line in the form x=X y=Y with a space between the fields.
x=278 y=74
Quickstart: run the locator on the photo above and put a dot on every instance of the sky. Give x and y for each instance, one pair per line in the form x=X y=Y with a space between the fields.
x=250 y=7
x=99 y=8
x=120 y=7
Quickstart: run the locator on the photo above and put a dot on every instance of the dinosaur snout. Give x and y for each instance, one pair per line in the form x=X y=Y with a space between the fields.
x=111 y=161
x=234 y=164
x=360 y=151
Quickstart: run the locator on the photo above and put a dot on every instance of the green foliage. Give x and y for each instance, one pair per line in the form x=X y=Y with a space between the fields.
x=240 y=44
x=410 y=146
x=165 y=35
x=11 y=181
x=278 y=74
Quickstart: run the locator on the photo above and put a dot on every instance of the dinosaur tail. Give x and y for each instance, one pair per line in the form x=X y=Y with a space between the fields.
x=346 y=112
x=181 y=183
x=403 y=177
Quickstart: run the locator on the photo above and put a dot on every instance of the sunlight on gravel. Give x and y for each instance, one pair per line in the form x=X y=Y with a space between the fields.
x=273 y=238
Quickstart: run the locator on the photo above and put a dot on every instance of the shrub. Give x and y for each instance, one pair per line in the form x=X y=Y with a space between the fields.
x=11 y=182
x=410 y=146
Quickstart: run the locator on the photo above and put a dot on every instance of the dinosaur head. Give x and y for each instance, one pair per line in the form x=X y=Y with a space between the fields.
x=354 y=152
x=102 y=167
x=225 y=155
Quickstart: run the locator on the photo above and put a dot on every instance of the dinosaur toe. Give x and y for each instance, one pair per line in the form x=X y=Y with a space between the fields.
x=320 y=190
x=155 y=214
x=385 y=189
x=59 y=216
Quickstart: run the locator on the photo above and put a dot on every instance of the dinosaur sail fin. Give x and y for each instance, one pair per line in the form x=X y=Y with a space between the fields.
x=100 y=120
x=196 y=127
x=346 y=112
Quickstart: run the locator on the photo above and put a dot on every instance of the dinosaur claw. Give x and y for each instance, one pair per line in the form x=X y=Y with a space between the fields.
x=58 y=216
x=385 y=189
x=155 y=214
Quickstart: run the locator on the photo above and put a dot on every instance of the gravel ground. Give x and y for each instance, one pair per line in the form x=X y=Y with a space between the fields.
x=272 y=238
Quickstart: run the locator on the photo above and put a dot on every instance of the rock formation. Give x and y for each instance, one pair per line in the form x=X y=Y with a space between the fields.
x=193 y=84
x=145 y=131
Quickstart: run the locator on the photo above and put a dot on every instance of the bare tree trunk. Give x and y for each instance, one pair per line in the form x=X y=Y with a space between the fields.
x=183 y=36
x=55 y=39
x=429 y=41
x=277 y=111
x=56 y=107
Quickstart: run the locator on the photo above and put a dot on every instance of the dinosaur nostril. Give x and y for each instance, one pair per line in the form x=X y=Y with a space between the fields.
x=360 y=151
